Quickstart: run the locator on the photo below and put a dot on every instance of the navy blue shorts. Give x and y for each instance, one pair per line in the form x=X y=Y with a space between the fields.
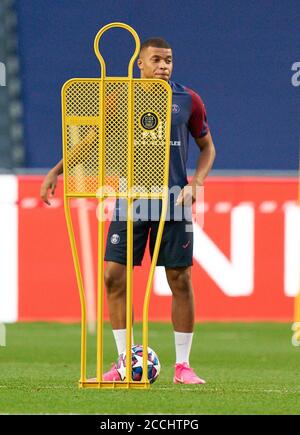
x=176 y=249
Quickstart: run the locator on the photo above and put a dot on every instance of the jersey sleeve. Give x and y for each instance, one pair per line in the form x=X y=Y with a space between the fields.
x=198 y=125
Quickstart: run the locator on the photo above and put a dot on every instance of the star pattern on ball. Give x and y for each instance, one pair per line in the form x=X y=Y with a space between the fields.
x=122 y=370
x=140 y=361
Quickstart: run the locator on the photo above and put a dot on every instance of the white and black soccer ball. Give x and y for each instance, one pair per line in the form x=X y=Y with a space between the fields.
x=153 y=364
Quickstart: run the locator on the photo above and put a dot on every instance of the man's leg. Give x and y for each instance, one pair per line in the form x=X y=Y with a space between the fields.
x=180 y=282
x=176 y=254
x=183 y=317
x=115 y=283
x=115 y=278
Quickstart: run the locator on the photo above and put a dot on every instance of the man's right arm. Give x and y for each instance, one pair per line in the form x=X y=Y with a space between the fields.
x=50 y=182
x=74 y=158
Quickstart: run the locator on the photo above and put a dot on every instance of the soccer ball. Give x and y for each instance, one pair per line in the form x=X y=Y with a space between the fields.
x=137 y=364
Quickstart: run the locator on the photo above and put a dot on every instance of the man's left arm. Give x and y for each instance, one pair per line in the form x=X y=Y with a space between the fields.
x=204 y=164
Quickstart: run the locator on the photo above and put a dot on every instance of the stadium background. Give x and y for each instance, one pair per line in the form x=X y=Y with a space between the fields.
x=247 y=75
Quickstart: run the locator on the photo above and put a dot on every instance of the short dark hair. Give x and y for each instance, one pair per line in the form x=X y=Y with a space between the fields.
x=155 y=42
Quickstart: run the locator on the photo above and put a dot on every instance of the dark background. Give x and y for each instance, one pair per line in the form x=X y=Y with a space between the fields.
x=237 y=55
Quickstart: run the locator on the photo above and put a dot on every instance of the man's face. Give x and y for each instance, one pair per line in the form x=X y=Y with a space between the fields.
x=156 y=63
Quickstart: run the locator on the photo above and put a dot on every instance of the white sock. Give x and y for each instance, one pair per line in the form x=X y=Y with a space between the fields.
x=120 y=338
x=183 y=344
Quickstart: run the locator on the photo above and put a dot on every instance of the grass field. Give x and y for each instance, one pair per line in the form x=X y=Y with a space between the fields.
x=249 y=369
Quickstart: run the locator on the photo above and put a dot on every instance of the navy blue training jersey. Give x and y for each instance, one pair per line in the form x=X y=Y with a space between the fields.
x=188 y=117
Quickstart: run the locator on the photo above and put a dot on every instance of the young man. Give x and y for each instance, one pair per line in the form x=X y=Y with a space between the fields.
x=176 y=251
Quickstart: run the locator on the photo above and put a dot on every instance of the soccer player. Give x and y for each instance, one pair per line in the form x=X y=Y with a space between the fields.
x=176 y=251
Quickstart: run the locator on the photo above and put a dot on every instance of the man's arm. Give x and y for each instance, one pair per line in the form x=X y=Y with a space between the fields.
x=50 y=182
x=204 y=165
x=206 y=158
x=74 y=158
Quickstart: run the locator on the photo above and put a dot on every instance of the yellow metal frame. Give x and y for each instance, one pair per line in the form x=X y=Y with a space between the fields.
x=163 y=195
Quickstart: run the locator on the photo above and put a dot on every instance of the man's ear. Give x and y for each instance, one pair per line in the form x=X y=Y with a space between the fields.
x=140 y=63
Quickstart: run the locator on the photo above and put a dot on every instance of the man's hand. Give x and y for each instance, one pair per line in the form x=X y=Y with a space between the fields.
x=188 y=194
x=50 y=182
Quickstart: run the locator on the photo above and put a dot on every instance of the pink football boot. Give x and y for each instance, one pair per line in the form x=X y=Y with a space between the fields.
x=112 y=375
x=184 y=374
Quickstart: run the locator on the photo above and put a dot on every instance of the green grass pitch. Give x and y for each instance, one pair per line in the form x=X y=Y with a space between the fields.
x=249 y=368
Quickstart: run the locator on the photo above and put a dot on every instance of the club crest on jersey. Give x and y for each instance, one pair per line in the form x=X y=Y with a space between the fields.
x=115 y=239
x=175 y=108
x=149 y=121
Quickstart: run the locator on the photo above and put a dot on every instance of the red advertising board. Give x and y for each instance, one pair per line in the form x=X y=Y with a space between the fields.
x=242 y=256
